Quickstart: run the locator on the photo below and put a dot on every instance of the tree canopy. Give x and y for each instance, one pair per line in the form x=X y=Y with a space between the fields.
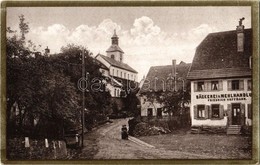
x=45 y=88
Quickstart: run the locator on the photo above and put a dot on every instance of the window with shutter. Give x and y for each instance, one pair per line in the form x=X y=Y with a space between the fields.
x=235 y=84
x=215 y=111
x=249 y=111
x=214 y=85
x=201 y=111
x=201 y=86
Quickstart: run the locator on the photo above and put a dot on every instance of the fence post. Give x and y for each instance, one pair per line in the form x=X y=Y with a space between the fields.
x=27 y=143
x=46 y=143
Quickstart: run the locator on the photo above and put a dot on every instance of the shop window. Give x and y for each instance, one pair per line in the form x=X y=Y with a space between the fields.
x=235 y=84
x=201 y=111
x=201 y=86
x=214 y=85
x=215 y=111
x=159 y=112
x=249 y=85
x=149 y=112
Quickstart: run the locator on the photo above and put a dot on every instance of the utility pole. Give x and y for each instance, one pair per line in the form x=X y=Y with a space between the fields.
x=83 y=97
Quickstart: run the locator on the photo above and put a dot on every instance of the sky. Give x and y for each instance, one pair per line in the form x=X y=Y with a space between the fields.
x=149 y=36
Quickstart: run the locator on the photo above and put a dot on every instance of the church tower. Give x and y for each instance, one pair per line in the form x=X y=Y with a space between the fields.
x=114 y=51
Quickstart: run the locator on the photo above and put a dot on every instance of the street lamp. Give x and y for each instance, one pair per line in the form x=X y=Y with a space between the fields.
x=83 y=95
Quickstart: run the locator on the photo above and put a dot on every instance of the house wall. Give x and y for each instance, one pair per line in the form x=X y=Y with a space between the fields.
x=224 y=97
x=104 y=72
x=113 y=90
x=116 y=72
x=116 y=55
x=103 y=61
x=147 y=104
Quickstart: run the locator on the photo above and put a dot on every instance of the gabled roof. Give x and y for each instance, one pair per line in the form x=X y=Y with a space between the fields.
x=114 y=48
x=117 y=63
x=217 y=56
x=160 y=75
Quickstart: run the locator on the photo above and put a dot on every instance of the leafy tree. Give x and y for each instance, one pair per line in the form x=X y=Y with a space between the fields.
x=131 y=101
x=24 y=27
x=39 y=87
x=173 y=102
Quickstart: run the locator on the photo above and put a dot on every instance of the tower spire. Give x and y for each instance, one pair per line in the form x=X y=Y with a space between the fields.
x=114 y=38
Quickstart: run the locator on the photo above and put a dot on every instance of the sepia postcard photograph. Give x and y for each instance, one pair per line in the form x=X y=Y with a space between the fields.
x=121 y=82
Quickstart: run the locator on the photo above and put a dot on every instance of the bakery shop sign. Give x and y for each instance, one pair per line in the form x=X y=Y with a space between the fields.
x=225 y=97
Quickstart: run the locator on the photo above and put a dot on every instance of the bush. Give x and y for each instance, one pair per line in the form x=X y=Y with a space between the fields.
x=132 y=124
x=155 y=127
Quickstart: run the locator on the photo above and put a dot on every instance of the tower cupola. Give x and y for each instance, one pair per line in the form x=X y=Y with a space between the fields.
x=114 y=38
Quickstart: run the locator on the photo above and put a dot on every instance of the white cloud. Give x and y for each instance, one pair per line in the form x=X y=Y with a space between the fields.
x=145 y=44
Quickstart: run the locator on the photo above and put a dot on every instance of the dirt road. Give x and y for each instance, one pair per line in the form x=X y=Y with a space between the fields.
x=109 y=145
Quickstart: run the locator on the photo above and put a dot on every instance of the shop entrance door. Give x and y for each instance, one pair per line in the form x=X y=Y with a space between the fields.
x=236 y=114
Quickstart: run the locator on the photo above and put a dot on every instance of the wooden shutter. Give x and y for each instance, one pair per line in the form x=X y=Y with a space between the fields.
x=241 y=84
x=221 y=111
x=242 y=114
x=249 y=111
x=208 y=84
x=206 y=111
x=195 y=86
x=229 y=111
x=220 y=85
x=209 y=112
x=229 y=85
x=195 y=112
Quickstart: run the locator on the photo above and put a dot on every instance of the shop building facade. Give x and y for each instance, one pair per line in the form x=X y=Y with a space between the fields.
x=221 y=80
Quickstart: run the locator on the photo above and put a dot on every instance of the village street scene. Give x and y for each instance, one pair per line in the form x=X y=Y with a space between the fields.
x=123 y=83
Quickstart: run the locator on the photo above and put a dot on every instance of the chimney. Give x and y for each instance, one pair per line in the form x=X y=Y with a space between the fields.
x=240 y=36
x=174 y=73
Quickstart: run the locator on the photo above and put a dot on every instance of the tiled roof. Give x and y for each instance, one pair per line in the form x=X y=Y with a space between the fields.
x=114 y=48
x=159 y=75
x=217 y=56
x=220 y=73
x=117 y=64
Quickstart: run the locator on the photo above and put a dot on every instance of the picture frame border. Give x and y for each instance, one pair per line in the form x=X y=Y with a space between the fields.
x=254 y=4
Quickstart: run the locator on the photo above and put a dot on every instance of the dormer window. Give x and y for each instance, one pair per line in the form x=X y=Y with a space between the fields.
x=113 y=56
